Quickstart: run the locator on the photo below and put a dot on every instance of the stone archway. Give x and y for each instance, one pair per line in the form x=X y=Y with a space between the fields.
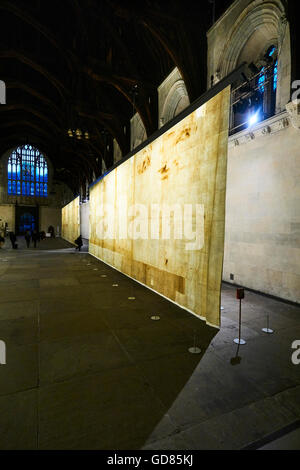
x=260 y=25
x=138 y=132
x=176 y=101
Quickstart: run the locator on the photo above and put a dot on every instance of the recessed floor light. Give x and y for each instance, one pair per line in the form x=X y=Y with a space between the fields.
x=155 y=317
x=194 y=350
x=268 y=331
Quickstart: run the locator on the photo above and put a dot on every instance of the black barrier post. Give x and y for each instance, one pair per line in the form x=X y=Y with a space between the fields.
x=240 y=294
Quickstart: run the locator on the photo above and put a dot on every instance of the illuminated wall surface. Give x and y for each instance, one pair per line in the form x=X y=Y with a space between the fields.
x=129 y=211
x=71 y=221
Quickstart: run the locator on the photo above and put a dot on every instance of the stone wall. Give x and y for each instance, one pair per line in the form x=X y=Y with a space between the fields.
x=117 y=151
x=172 y=97
x=262 y=228
x=84 y=220
x=50 y=216
x=137 y=131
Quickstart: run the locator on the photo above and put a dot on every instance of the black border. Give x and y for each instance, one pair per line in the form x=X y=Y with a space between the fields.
x=273 y=437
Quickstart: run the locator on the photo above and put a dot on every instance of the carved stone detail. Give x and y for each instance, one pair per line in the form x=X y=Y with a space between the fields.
x=293 y=108
x=266 y=128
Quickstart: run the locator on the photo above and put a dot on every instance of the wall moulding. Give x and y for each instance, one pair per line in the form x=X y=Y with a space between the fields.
x=270 y=126
x=293 y=109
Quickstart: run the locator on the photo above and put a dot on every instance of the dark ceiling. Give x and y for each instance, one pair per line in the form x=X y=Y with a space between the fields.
x=88 y=64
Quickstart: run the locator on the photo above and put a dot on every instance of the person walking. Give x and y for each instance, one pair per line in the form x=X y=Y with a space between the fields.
x=27 y=238
x=79 y=243
x=13 y=239
x=34 y=238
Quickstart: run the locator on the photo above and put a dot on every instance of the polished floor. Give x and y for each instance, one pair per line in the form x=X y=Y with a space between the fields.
x=87 y=368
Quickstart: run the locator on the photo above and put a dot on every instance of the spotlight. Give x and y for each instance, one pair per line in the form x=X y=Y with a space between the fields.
x=253 y=119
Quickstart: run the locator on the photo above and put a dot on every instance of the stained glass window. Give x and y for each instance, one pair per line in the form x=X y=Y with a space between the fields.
x=261 y=80
x=27 y=173
x=275 y=75
x=271 y=51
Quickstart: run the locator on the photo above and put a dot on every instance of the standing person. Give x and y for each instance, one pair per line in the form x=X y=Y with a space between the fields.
x=51 y=231
x=27 y=238
x=79 y=243
x=34 y=238
x=13 y=239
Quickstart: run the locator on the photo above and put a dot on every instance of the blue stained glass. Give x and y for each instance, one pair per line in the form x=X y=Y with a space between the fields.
x=275 y=78
x=261 y=81
x=26 y=171
x=272 y=51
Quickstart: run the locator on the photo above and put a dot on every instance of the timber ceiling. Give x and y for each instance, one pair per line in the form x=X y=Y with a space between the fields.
x=90 y=64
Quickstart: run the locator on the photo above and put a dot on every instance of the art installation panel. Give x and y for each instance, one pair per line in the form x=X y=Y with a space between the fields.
x=159 y=216
x=71 y=221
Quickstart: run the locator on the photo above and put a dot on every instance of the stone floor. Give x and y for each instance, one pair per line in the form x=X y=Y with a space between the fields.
x=86 y=367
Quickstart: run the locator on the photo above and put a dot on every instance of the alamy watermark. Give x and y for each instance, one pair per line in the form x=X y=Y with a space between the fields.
x=296 y=91
x=2 y=352
x=154 y=222
x=296 y=354
x=2 y=92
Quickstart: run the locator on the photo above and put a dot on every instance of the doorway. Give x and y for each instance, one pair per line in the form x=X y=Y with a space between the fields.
x=26 y=219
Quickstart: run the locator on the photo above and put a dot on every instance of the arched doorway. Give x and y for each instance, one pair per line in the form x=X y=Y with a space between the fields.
x=26 y=219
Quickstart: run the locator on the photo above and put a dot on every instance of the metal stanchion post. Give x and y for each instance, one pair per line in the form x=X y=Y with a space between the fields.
x=194 y=349
x=267 y=330
x=240 y=294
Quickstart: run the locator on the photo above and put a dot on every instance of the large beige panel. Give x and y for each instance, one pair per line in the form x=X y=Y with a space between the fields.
x=71 y=221
x=186 y=167
x=7 y=215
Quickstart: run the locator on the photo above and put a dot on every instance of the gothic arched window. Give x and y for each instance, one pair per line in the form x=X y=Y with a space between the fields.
x=27 y=172
x=255 y=100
